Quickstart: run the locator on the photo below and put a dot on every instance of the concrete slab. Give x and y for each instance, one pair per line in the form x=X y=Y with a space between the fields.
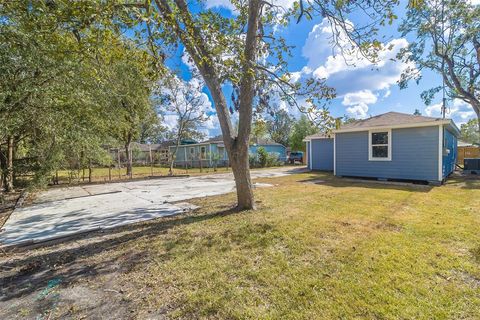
x=59 y=212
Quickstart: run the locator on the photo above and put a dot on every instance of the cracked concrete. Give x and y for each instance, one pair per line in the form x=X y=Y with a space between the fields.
x=60 y=212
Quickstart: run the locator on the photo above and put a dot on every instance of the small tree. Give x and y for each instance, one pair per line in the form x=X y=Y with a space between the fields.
x=259 y=130
x=185 y=100
x=279 y=127
x=132 y=84
x=470 y=131
x=301 y=128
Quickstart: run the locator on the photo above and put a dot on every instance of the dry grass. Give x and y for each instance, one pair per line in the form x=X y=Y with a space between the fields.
x=102 y=174
x=330 y=250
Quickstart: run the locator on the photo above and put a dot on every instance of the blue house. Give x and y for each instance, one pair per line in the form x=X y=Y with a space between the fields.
x=392 y=145
x=212 y=152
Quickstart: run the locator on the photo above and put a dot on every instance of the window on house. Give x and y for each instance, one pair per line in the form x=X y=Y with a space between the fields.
x=380 y=147
x=203 y=152
x=192 y=152
x=221 y=152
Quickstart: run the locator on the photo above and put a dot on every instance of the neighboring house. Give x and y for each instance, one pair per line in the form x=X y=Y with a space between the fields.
x=212 y=152
x=208 y=153
x=388 y=146
x=141 y=152
x=270 y=147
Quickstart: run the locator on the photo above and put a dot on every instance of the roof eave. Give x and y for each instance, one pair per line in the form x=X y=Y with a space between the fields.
x=398 y=126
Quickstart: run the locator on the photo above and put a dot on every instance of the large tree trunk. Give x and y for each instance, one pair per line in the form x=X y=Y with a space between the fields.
x=241 y=172
x=478 y=124
x=236 y=144
x=9 y=172
x=128 y=154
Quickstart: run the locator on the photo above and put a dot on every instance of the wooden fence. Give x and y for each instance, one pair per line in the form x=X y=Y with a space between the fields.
x=467 y=152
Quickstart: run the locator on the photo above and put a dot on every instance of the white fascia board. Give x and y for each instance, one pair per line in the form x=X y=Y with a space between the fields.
x=440 y=153
x=399 y=126
x=334 y=156
x=310 y=160
x=316 y=138
x=455 y=128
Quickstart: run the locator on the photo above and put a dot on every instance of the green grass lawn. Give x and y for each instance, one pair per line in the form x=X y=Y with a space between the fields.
x=322 y=251
x=334 y=249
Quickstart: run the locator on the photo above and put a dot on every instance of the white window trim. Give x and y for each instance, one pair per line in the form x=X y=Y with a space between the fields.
x=389 y=145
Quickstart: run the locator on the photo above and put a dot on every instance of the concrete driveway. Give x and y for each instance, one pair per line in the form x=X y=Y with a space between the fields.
x=60 y=212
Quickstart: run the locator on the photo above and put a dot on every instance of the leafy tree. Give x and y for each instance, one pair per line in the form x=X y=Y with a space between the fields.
x=301 y=128
x=470 y=131
x=447 y=42
x=185 y=100
x=417 y=113
x=57 y=97
x=131 y=88
x=279 y=127
x=259 y=130
x=47 y=87
x=227 y=50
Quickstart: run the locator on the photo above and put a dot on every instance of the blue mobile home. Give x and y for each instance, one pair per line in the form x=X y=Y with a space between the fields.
x=393 y=146
x=212 y=152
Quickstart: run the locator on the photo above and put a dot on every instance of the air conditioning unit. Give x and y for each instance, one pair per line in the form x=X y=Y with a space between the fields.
x=471 y=164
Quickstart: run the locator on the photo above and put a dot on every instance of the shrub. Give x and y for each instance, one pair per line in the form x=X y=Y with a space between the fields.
x=262 y=156
x=273 y=159
x=252 y=159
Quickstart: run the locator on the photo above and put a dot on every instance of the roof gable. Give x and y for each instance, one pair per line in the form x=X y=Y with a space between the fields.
x=397 y=120
x=390 y=118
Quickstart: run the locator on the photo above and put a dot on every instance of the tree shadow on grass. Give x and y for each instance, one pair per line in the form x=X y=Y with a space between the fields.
x=59 y=258
x=328 y=179
x=465 y=181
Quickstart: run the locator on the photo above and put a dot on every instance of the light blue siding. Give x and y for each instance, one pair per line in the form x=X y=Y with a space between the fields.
x=217 y=148
x=449 y=158
x=279 y=149
x=308 y=154
x=322 y=154
x=414 y=155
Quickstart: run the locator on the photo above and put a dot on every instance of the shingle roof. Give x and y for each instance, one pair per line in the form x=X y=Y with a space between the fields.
x=218 y=138
x=387 y=119
x=265 y=142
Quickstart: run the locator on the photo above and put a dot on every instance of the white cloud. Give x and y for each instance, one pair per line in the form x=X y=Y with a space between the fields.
x=220 y=4
x=459 y=111
x=357 y=102
x=227 y=4
x=194 y=86
x=348 y=71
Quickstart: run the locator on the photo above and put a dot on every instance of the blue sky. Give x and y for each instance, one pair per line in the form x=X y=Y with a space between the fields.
x=363 y=89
